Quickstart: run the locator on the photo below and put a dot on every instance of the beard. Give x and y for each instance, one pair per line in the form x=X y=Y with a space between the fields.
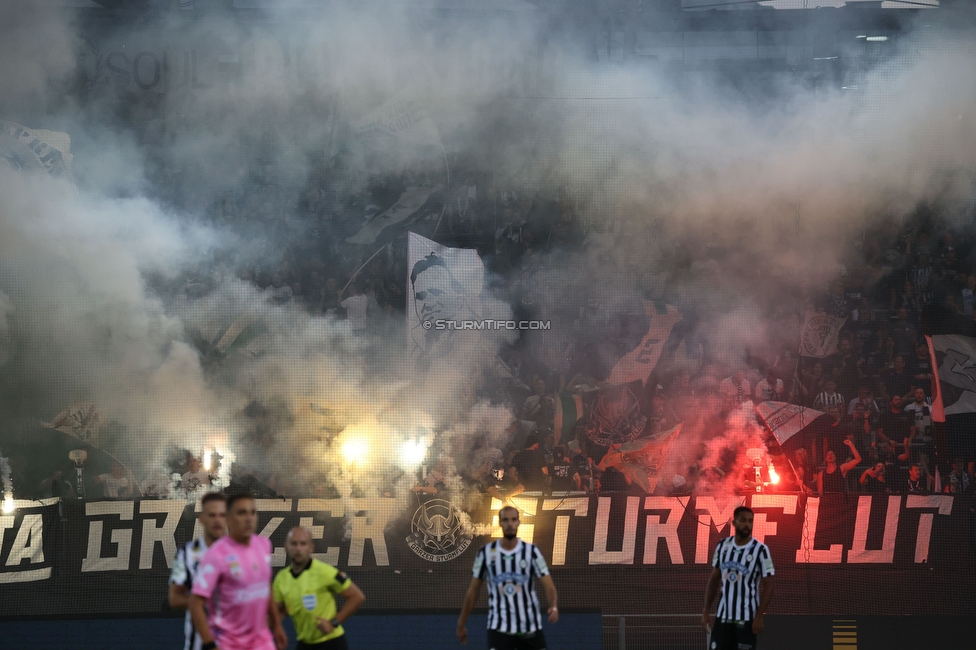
x=510 y=536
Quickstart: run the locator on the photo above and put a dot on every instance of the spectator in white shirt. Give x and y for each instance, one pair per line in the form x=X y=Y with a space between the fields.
x=736 y=388
x=770 y=388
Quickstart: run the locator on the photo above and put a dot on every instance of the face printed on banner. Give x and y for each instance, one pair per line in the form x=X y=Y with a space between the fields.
x=438 y=295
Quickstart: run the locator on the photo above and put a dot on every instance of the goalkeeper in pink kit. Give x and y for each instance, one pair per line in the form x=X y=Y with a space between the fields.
x=233 y=586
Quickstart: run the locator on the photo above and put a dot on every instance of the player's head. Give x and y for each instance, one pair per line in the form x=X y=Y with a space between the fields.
x=242 y=517
x=213 y=515
x=508 y=519
x=298 y=544
x=742 y=521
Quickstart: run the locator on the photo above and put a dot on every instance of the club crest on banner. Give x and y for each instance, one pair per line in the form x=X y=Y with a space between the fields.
x=436 y=532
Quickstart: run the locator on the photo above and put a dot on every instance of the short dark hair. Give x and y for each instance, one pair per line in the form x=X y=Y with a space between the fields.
x=213 y=496
x=235 y=497
x=741 y=509
x=510 y=507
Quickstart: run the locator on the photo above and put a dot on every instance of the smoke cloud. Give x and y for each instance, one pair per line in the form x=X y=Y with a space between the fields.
x=202 y=143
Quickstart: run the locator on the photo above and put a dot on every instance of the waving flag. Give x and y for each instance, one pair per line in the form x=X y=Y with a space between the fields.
x=953 y=360
x=786 y=420
x=820 y=335
x=639 y=363
x=568 y=411
x=405 y=207
x=35 y=149
x=641 y=461
x=79 y=420
x=404 y=117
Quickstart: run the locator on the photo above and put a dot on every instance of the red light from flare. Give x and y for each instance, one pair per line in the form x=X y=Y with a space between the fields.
x=773 y=476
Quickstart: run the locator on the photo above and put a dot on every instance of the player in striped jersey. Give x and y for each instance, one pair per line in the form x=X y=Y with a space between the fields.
x=510 y=567
x=741 y=564
x=213 y=518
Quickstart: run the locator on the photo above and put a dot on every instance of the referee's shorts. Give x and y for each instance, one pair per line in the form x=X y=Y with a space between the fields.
x=338 y=643
x=501 y=641
x=732 y=635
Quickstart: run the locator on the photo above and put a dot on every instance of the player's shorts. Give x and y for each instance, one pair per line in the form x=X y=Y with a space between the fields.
x=732 y=636
x=501 y=641
x=338 y=643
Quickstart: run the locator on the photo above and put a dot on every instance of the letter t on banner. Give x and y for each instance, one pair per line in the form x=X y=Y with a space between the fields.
x=579 y=506
x=943 y=503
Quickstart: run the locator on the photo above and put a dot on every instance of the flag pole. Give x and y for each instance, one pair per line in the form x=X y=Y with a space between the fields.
x=364 y=264
x=447 y=167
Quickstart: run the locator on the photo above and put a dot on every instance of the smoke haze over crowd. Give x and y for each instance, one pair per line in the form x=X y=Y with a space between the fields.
x=734 y=201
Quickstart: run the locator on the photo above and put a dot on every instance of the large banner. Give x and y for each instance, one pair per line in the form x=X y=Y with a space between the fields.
x=841 y=554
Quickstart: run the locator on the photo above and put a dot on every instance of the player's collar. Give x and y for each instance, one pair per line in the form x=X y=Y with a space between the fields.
x=518 y=545
x=305 y=568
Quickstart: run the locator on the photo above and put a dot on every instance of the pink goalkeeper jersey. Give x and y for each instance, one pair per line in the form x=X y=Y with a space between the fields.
x=236 y=579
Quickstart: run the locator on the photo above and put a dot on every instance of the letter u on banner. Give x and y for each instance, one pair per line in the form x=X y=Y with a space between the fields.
x=858 y=553
x=600 y=554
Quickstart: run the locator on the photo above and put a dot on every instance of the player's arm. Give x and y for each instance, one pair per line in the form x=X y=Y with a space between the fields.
x=711 y=591
x=274 y=624
x=470 y=598
x=551 y=597
x=354 y=597
x=178 y=596
x=199 y=617
x=764 y=598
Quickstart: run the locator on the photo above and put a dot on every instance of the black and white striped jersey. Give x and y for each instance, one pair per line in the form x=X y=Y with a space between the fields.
x=743 y=568
x=513 y=606
x=183 y=572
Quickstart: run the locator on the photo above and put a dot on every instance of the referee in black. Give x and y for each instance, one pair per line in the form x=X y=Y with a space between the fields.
x=741 y=564
x=510 y=566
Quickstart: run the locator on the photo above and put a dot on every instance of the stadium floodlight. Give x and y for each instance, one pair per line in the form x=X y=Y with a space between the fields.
x=876 y=39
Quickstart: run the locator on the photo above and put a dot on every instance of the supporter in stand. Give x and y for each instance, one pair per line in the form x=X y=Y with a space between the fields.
x=833 y=477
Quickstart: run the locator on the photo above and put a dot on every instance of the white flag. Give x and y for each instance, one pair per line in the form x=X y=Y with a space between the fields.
x=820 y=335
x=786 y=420
x=35 y=149
x=444 y=286
x=80 y=420
x=406 y=117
